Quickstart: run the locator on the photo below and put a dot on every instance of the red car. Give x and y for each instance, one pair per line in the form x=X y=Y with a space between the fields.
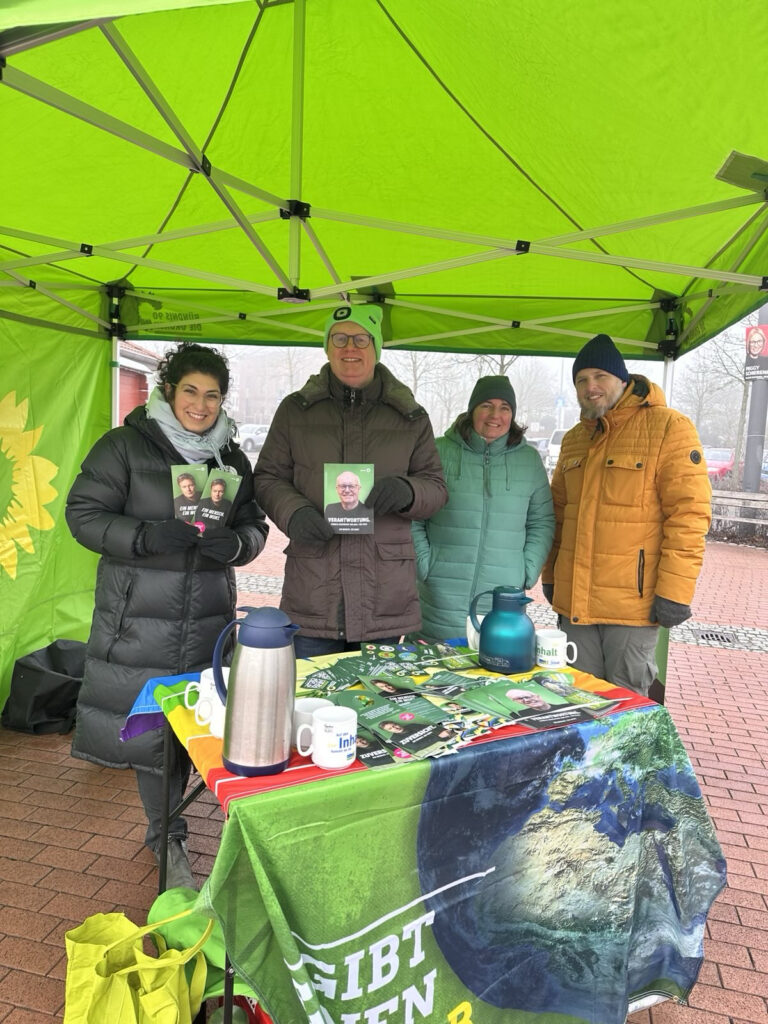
x=719 y=463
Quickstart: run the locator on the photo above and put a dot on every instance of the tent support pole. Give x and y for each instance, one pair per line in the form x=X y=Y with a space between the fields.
x=659 y=218
x=669 y=378
x=535 y=321
x=684 y=269
x=265 y=315
x=38 y=37
x=115 y=365
x=297 y=138
x=50 y=294
x=33 y=321
x=399 y=275
x=574 y=236
x=311 y=234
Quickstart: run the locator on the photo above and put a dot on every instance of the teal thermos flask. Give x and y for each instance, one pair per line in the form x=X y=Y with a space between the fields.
x=507 y=635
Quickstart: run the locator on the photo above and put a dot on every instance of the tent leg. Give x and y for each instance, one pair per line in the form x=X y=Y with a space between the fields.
x=115 y=382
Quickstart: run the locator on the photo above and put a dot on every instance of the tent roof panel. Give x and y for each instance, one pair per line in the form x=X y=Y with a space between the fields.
x=487 y=127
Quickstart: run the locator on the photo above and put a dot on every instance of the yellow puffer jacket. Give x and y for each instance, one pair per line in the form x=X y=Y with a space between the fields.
x=632 y=509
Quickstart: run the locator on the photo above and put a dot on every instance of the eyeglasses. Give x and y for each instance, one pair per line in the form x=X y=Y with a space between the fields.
x=348 y=487
x=209 y=397
x=358 y=340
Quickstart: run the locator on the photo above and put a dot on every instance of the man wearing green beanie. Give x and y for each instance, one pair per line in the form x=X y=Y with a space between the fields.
x=632 y=509
x=346 y=588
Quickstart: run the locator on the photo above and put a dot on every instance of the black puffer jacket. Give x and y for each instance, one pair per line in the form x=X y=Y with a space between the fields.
x=154 y=615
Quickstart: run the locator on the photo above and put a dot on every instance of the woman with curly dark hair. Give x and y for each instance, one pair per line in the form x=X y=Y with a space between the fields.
x=164 y=590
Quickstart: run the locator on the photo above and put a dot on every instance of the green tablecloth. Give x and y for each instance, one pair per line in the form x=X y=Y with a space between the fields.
x=554 y=878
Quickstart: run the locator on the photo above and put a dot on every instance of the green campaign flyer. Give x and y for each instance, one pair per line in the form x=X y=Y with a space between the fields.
x=346 y=486
x=188 y=483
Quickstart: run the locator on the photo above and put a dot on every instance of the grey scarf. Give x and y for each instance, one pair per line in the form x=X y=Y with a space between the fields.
x=194 y=447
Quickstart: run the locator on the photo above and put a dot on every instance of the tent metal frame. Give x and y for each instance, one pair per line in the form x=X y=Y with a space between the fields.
x=288 y=284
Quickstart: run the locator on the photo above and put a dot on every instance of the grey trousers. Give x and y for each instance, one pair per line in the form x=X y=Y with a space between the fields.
x=624 y=655
x=151 y=792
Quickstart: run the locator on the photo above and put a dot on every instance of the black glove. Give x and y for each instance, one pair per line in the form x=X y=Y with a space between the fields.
x=220 y=543
x=307 y=524
x=165 y=537
x=549 y=591
x=390 y=494
x=669 y=613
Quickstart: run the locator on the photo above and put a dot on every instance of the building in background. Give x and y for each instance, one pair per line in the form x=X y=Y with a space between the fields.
x=137 y=376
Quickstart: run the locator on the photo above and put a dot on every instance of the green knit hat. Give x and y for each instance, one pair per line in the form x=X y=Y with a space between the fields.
x=367 y=315
x=493 y=387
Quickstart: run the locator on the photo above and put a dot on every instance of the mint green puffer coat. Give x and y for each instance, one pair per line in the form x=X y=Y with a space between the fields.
x=497 y=528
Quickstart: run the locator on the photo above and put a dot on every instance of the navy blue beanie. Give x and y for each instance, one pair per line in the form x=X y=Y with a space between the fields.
x=600 y=353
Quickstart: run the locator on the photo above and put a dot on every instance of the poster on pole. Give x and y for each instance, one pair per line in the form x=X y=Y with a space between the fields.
x=756 y=361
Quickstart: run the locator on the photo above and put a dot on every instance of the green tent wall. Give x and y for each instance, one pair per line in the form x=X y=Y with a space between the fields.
x=504 y=175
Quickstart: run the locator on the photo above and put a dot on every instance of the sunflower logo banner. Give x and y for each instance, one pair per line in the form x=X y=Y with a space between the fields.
x=54 y=402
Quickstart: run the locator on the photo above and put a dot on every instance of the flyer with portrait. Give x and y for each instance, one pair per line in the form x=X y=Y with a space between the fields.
x=400 y=729
x=346 y=485
x=188 y=484
x=215 y=505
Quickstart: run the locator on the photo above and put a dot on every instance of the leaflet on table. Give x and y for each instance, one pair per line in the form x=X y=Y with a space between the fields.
x=372 y=752
x=388 y=661
x=405 y=692
x=405 y=658
x=405 y=697
x=538 y=700
x=401 y=730
x=340 y=676
x=427 y=717
x=345 y=487
x=203 y=498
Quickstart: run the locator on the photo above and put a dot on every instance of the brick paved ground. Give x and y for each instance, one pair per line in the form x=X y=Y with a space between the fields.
x=71 y=833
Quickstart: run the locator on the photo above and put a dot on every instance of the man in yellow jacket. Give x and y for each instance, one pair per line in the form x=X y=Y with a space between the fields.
x=632 y=509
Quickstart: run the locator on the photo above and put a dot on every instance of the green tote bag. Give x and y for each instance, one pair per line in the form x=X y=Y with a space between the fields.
x=111 y=979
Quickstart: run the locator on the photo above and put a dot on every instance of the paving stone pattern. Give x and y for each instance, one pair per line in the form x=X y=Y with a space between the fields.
x=71 y=832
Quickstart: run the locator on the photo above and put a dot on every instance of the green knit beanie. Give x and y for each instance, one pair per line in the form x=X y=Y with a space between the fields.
x=368 y=316
x=493 y=387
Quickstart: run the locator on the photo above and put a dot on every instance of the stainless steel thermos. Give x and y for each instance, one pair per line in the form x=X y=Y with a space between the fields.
x=260 y=692
x=507 y=635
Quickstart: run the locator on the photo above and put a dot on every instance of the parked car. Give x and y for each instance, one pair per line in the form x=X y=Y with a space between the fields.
x=252 y=435
x=719 y=463
x=541 y=444
x=553 y=448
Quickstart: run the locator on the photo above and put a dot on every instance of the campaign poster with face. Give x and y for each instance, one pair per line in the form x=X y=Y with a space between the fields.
x=216 y=503
x=346 y=486
x=188 y=483
x=756 y=358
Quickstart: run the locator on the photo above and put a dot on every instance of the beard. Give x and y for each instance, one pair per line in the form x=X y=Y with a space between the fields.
x=594 y=408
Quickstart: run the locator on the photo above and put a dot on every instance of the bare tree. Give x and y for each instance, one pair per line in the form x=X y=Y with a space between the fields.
x=535 y=381
x=493 y=364
x=419 y=370
x=708 y=397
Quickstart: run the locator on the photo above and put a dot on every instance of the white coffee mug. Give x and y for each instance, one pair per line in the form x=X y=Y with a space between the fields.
x=554 y=649
x=333 y=732
x=302 y=712
x=208 y=707
x=473 y=636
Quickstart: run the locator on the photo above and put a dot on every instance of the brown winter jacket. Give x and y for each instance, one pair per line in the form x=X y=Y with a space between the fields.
x=355 y=586
x=632 y=509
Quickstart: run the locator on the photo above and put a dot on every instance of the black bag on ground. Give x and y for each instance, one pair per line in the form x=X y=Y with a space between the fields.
x=44 y=688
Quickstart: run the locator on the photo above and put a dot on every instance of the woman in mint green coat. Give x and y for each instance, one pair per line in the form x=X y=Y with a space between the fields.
x=498 y=525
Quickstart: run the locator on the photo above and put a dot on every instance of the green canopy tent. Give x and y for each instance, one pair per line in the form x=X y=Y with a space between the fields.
x=504 y=176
